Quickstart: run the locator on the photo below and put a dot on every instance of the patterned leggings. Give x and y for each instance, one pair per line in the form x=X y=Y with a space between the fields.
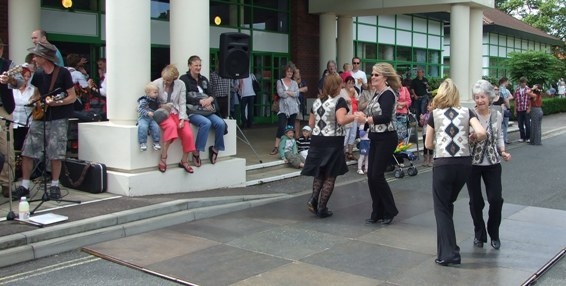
x=536 y=122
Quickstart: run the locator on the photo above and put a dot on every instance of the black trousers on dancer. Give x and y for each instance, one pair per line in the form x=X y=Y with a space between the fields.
x=381 y=149
x=447 y=182
x=492 y=179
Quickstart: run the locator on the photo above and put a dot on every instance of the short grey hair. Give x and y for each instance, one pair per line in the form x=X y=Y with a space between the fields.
x=485 y=87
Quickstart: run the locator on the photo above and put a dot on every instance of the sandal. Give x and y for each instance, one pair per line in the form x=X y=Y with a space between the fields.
x=196 y=160
x=274 y=151
x=185 y=165
x=162 y=164
x=350 y=156
x=212 y=156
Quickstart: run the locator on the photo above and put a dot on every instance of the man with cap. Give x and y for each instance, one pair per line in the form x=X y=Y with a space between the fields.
x=50 y=79
x=7 y=106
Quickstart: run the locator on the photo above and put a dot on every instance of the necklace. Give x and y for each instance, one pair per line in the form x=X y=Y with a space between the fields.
x=484 y=117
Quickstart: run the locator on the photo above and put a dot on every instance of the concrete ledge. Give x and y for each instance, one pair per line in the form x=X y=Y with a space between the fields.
x=44 y=242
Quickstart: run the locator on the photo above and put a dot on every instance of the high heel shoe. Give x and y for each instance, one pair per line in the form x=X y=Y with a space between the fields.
x=387 y=220
x=162 y=164
x=478 y=243
x=495 y=243
x=185 y=165
x=446 y=262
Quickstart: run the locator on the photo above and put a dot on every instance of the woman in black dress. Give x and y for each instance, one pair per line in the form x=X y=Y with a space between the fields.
x=325 y=160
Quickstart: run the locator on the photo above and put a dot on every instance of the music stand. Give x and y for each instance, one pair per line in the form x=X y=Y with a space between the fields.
x=45 y=197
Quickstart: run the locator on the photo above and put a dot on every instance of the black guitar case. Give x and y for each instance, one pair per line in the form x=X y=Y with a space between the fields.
x=84 y=176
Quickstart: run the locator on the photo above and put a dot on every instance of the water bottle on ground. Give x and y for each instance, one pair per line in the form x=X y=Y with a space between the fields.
x=23 y=210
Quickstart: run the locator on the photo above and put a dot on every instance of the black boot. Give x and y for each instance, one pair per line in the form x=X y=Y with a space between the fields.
x=312 y=204
x=327 y=188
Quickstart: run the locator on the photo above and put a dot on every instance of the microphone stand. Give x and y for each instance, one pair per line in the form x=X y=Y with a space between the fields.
x=11 y=215
x=45 y=197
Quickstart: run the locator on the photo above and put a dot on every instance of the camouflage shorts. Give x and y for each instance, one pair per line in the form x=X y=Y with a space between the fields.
x=56 y=140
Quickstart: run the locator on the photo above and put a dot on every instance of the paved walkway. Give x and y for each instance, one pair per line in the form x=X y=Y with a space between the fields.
x=239 y=236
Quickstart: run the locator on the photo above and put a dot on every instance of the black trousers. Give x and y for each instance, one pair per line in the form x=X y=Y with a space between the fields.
x=447 y=182
x=381 y=150
x=524 y=122
x=492 y=179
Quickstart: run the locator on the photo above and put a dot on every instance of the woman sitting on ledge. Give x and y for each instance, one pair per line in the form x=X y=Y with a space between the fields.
x=172 y=90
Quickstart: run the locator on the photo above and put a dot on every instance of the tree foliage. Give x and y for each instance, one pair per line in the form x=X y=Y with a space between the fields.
x=546 y=15
x=537 y=67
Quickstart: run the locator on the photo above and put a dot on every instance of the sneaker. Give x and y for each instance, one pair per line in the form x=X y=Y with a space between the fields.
x=360 y=171
x=54 y=193
x=19 y=192
x=156 y=146
x=143 y=147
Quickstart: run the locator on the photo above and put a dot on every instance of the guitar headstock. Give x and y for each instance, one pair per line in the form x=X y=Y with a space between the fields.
x=15 y=70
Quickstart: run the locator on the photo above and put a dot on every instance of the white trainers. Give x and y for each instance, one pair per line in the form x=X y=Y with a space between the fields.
x=143 y=147
x=360 y=171
x=156 y=146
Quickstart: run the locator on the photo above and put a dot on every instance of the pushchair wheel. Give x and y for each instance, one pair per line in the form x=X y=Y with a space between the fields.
x=399 y=173
x=412 y=171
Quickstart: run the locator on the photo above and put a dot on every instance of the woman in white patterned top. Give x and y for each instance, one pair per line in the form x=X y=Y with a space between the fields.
x=449 y=126
x=326 y=159
x=486 y=165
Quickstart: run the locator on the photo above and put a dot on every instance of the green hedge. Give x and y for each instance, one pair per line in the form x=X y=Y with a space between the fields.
x=549 y=106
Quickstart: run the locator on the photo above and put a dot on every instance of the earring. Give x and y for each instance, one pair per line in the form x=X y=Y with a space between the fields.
x=386 y=83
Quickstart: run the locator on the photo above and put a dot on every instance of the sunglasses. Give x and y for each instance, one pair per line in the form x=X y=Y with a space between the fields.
x=356 y=63
x=375 y=74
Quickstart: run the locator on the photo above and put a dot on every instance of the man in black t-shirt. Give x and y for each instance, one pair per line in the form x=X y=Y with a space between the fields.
x=419 y=93
x=54 y=88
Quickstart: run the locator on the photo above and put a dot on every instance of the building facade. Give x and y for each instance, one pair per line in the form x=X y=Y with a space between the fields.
x=139 y=38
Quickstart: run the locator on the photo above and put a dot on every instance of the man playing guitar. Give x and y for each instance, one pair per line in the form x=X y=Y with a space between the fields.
x=49 y=78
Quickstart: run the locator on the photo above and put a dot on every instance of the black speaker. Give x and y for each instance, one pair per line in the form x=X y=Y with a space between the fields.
x=234 y=55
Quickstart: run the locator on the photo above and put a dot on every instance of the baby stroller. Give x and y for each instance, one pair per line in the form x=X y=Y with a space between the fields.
x=402 y=151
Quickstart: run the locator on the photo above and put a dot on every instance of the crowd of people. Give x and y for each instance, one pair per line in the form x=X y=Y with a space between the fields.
x=463 y=145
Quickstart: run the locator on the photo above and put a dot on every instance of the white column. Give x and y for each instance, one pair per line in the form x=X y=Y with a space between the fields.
x=23 y=18
x=190 y=32
x=345 y=41
x=460 y=48
x=476 y=48
x=128 y=49
x=327 y=41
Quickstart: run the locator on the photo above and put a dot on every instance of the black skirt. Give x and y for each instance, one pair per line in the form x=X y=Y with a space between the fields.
x=325 y=157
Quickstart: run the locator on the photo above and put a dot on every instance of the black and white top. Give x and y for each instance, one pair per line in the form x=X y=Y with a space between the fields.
x=325 y=117
x=382 y=108
x=451 y=127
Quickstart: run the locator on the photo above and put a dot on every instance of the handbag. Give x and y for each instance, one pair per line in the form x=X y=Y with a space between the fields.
x=506 y=113
x=256 y=85
x=197 y=108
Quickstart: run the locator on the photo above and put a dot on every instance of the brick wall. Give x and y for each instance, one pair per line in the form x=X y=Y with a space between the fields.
x=305 y=43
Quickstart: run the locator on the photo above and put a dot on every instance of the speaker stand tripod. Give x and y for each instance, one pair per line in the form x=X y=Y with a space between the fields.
x=45 y=197
x=243 y=137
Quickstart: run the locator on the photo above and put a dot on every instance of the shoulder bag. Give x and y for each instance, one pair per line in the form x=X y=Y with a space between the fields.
x=197 y=108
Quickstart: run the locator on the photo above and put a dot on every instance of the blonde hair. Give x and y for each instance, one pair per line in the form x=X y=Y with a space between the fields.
x=170 y=72
x=447 y=95
x=149 y=87
x=331 y=87
x=387 y=70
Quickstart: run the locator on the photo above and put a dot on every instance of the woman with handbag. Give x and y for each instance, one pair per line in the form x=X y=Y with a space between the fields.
x=486 y=165
x=201 y=110
x=172 y=90
x=288 y=92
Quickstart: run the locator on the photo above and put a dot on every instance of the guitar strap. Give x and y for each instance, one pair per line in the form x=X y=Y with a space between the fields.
x=54 y=77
